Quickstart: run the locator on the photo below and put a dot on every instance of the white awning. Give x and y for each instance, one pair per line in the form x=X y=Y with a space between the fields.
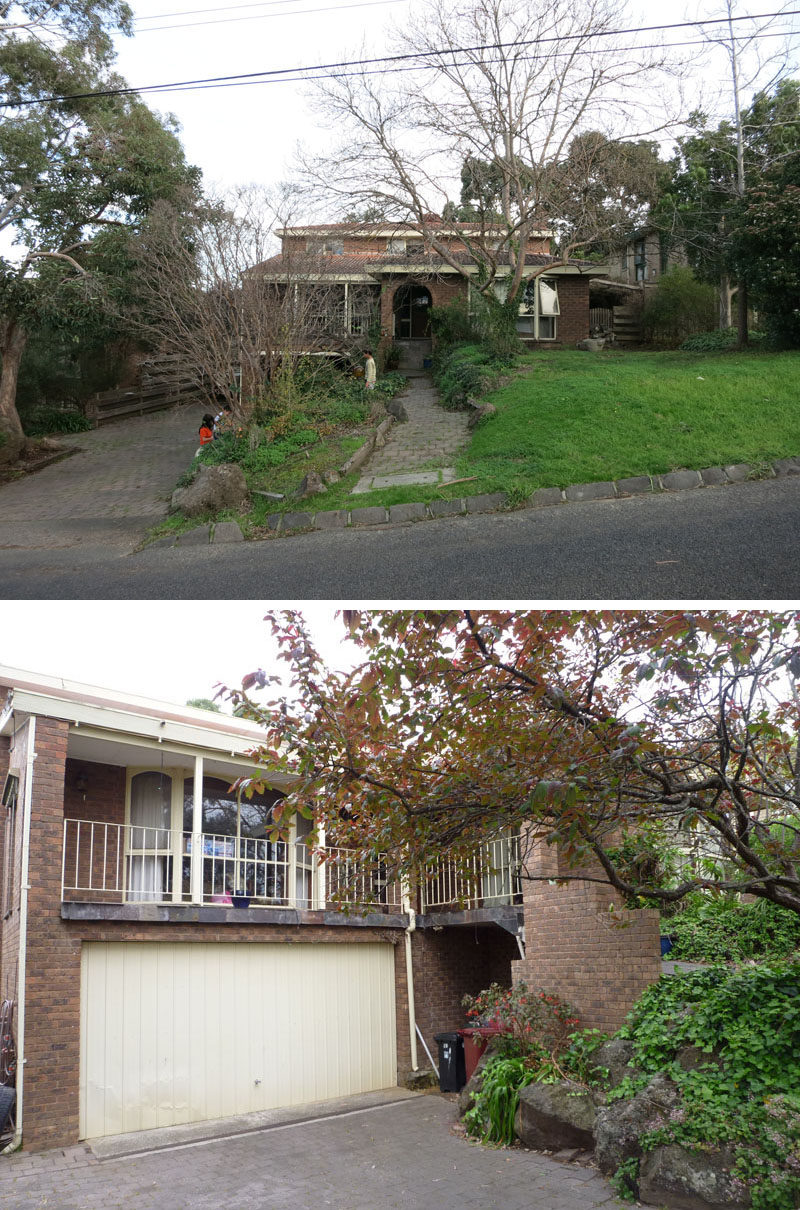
x=548 y=299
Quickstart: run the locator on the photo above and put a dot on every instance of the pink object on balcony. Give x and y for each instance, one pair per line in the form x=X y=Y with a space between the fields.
x=221 y=899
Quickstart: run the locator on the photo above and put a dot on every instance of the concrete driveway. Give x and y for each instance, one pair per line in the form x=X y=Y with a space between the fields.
x=386 y=1157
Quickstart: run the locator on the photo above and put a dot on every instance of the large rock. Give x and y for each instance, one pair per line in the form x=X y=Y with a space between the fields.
x=616 y=1056
x=620 y=1125
x=691 y=1180
x=311 y=485
x=395 y=408
x=213 y=489
x=553 y=1116
x=480 y=413
x=466 y=1098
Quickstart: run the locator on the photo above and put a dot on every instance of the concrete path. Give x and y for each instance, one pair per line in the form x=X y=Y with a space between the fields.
x=397 y=1157
x=421 y=449
x=108 y=493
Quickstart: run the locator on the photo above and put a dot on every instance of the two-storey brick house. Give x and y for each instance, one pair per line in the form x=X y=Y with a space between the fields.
x=387 y=276
x=165 y=961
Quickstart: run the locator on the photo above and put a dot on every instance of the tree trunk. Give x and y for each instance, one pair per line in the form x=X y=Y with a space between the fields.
x=725 y=314
x=13 y=339
x=741 y=306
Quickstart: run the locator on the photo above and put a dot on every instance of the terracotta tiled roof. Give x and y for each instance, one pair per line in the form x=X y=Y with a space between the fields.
x=377 y=264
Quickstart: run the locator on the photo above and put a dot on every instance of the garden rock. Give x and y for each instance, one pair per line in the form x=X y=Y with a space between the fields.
x=592 y=344
x=616 y=1056
x=620 y=1126
x=691 y=1180
x=214 y=488
x=311 y=485
x=481 y=413
x=395 y=408
x=553 y=1116
x=692 y=1057
x=330 y=477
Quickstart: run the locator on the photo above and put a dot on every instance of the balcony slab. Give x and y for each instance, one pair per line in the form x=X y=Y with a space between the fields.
x=188 y=913
x=507 y=917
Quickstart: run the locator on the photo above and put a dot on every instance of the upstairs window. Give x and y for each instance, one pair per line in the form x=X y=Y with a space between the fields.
x=396 y=246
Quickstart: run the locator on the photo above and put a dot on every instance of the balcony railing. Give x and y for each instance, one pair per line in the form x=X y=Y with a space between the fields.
x=489 y=877
x=119 y=863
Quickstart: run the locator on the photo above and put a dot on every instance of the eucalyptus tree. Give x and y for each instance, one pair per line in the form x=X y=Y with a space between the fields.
x=78 y=155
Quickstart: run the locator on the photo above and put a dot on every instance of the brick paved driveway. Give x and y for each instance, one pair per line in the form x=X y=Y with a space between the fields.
x=113 y=489
x=396 y=1156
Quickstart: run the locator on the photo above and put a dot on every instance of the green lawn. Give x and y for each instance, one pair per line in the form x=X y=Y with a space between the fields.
x=574 y=417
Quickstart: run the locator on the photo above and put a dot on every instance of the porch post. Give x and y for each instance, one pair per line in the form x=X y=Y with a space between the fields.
x=318 y=881
x=197 y=832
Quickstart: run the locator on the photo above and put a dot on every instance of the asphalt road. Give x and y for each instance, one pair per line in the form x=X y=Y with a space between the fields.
x=731 y=543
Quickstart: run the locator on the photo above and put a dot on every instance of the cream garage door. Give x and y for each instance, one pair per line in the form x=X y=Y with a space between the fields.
x=174 y=1033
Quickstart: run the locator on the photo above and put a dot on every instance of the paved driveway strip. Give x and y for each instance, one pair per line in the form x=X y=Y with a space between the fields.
x=110 y=492
x=397 y=1157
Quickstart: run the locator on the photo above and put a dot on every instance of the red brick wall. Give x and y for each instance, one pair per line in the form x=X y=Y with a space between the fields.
x=573 y=298
x=5 y=744
x=52 y=996
x=52 y=1039
x=451 y=964
x=599 y=961
x=17 y=759
x=442 y=291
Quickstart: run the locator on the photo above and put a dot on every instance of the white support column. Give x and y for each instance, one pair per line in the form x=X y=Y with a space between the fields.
x=197 y=832
x=318 y=876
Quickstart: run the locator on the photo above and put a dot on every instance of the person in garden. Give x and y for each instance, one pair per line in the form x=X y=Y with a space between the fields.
x=370 y=371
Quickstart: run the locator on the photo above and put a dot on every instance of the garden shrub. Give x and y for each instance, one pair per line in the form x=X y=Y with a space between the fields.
x=452 y=324
x=747 y=1094
x=720 y=340
x=464 y=372
x=42 y=420
x=679 y=306
x=724 y=929
x=536 y=1025
x=491 y=1118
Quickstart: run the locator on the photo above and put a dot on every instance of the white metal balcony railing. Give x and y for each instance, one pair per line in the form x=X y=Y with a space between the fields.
x=489 y=877
x=120 y=863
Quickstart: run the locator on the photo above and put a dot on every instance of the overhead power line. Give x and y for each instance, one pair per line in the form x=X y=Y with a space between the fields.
x=304 y=74
x=298 y=12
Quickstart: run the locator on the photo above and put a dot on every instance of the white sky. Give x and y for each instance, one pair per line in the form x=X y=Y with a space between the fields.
x=249 y=134
x=170 y=650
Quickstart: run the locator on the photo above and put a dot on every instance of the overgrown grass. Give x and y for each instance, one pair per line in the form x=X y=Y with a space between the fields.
x=574 y=417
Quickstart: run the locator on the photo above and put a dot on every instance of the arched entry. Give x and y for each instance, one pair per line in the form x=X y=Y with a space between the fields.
x=412 y=312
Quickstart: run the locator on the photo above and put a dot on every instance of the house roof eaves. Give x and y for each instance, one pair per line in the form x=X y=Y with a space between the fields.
x=54 y=697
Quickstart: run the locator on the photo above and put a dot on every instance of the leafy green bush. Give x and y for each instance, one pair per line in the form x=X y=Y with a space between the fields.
x=726 y=930
x=719 y=340
x=463 y=372
x=491 y=1118
x=452 y=324
x=535 y=1025
x=747 y=1094
x=42 y=420
x=679 y=306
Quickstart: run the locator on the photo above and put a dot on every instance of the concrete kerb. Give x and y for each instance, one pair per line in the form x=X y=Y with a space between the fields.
x=286 y=524
x=544 y=497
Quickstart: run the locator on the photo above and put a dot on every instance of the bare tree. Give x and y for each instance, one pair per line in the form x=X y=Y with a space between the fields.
x=207 y=300
x=504 y=86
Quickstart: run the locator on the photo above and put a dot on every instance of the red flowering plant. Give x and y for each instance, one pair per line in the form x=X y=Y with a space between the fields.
x=536 y=1025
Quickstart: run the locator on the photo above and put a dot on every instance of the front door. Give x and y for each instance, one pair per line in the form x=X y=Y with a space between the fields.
x=412 y=312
